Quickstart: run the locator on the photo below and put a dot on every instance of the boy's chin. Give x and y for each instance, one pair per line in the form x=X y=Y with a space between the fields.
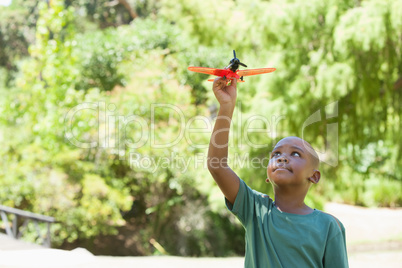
x=274 y=181
x=279 y=180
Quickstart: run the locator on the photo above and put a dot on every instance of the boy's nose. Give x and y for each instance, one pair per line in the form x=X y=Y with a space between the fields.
x=282 y=159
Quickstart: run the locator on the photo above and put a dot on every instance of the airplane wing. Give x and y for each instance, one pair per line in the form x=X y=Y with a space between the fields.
x=255 y=71
x=205 y=70
x=238 y=80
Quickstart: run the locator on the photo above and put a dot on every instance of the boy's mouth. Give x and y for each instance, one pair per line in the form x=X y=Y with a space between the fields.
x=282 y=168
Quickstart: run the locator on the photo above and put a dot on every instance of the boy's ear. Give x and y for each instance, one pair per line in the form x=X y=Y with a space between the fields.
x=315 y=178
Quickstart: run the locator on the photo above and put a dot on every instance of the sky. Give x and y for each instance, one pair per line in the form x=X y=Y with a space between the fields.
x=5 y=2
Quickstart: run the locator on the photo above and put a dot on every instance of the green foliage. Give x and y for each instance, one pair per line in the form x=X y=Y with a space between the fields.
x=111 y=14
x=367 y=190
x=99 y=62
x=345 y=55
x=16 y=31
x=53 y=177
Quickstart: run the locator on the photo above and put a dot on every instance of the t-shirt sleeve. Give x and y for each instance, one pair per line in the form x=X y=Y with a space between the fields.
x=335 y=255
x=243 y=207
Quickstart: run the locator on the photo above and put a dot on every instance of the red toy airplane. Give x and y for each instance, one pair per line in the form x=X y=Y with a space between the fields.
x=231 y=71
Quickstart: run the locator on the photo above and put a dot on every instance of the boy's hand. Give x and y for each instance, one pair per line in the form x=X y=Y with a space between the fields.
x=225 y=94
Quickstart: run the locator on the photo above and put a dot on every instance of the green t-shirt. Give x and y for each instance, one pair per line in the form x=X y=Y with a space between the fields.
x=278 y=239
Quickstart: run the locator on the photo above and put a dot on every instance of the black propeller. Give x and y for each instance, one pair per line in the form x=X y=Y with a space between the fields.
x=234 y=63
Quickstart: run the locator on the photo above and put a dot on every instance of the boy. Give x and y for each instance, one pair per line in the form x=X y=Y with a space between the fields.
x=285 y=232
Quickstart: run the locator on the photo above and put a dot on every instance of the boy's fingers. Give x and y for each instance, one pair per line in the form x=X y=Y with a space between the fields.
x=221 y=82
x=234 y=82
x=218 y=81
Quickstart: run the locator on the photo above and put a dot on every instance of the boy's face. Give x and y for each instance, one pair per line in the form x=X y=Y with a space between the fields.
x=292 y=163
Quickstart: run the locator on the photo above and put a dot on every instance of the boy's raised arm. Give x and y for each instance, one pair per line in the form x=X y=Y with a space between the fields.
x=224 y=176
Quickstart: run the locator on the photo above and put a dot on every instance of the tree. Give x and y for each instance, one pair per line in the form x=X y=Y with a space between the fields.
x=343 y=56
x=38 y=162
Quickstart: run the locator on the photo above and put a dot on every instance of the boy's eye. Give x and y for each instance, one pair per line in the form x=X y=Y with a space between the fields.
x=296 y=154
x=275 y=154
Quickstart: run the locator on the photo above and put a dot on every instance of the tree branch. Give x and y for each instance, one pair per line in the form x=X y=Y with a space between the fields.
x=133 y=14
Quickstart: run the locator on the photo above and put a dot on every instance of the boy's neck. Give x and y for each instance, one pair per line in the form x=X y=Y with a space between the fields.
x=292 y=204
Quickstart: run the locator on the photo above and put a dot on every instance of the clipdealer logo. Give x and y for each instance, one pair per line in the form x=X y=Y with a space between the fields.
x=113 y=130
x=109 y=130
x=328 y=154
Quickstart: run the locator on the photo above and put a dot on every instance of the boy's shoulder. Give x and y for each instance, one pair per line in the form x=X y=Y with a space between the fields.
x=332 y=219
x=263 y=198
x=255 y=192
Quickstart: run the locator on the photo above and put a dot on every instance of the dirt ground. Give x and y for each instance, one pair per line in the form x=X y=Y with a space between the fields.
x=374 y=239
x=373 y=235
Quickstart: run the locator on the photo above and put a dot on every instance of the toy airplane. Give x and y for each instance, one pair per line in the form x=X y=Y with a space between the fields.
x=231 y=71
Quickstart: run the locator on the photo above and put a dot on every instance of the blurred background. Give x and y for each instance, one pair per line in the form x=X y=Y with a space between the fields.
x=103 y=128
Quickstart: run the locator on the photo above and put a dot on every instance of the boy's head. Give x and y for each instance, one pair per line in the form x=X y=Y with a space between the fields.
x=293 y=162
